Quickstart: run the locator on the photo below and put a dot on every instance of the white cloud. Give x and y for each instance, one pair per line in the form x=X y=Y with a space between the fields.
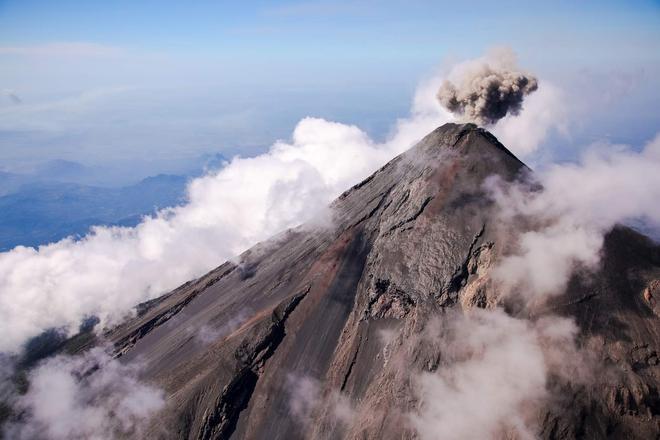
x=494 y=366
x=579 y=203
x=492 y=375
x=85 y=397
x=544 y=112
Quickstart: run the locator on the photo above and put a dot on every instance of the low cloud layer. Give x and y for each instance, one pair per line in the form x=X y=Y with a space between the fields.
x=85 y=397
x=494 y=367
x=563 y=224
x=486 y=90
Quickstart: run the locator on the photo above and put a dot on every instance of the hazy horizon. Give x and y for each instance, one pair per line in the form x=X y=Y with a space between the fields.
x=152 y=84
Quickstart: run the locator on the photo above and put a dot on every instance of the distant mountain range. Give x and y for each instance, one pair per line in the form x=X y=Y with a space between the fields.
x=59 y=199
x=42 y=213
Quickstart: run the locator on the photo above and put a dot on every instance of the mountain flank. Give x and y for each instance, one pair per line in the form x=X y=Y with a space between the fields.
x=342 y=307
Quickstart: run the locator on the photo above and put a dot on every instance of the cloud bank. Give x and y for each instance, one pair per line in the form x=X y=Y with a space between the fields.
x=109 y=271
x=494 y=365
x=492 y=376
x=84 y=397
x=564 y=223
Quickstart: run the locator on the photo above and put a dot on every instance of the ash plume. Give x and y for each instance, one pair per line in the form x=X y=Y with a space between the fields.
x=487 y=89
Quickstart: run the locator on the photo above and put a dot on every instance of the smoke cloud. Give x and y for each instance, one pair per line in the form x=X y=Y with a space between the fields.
x=486 y=90
x=84 y=397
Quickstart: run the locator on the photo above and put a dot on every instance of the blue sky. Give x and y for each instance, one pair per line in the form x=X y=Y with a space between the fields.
x=151 y=82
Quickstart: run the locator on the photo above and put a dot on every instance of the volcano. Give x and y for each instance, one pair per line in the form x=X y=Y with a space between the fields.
x=335 y=312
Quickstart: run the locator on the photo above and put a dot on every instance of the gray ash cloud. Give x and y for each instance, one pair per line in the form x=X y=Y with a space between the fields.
x=485 y=91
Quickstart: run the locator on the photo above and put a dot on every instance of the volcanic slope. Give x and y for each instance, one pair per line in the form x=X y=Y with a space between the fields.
x=309 y=310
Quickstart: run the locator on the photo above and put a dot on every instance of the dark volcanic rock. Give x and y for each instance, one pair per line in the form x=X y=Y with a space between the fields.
x=414 y=239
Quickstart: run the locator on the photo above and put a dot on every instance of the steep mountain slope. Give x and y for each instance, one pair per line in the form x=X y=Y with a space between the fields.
x=338 y=305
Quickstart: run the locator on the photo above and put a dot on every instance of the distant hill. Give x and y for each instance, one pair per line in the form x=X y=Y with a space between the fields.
x=64 y=170
x=59 y=198
x=10 y=182
x=44 y=212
